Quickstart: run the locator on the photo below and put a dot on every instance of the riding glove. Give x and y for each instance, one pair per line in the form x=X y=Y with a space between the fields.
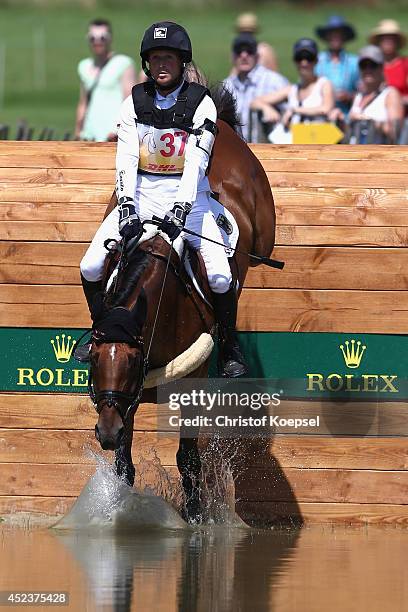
x=130 y=225
x=174 y=221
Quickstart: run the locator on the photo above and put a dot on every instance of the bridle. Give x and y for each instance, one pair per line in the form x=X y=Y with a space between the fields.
x=124 y=403
x=116 y=399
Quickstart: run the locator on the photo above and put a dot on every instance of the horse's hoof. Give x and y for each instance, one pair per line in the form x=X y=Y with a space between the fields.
x=192 y=514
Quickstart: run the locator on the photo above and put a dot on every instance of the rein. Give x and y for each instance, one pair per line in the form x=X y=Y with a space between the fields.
x=114 y=398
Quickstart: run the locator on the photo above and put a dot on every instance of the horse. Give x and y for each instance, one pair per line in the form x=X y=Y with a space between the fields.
x=127 y=320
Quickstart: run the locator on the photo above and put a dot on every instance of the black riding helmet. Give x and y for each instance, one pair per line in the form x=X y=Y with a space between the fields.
x=166 y=35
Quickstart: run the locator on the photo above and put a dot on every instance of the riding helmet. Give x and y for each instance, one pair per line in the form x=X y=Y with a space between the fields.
x=166 y=35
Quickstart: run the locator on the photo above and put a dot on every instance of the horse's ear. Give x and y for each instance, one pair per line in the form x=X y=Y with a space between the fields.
x=139 y=310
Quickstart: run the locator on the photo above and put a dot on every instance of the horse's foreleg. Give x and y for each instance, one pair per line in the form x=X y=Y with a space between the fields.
x=189 y=466
x=123 y=455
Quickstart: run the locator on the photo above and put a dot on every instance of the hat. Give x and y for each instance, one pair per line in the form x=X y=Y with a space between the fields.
x=373 y=53
x=242 y=41
x=336 y=23
x=246 y=22
x=305 y=44
x=387 y=26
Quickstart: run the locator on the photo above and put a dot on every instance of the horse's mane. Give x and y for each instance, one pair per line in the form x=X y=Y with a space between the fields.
x=223 y=99
x=134 y=270
x=226 y=105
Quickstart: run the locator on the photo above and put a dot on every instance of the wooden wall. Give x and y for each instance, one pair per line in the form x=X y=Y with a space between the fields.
x=342 y=231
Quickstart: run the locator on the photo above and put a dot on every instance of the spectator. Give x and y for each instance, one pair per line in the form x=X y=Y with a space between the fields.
x=388 y=36
x=378 y=101
x=247 y=23
x=307 y=101
x=249 y=81
x=340 y=67
x=106 y=79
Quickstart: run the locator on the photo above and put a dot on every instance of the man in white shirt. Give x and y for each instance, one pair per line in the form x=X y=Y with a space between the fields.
x=165 y=137
x=250 y=81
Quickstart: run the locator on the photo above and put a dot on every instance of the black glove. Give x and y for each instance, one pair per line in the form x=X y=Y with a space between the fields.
x=130 y=225
x=174 y=221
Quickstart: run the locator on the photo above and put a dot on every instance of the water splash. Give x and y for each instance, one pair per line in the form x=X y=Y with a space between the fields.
x=157 y=498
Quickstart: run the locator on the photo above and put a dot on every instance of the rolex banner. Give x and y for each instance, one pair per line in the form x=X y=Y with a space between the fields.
x=301 y=365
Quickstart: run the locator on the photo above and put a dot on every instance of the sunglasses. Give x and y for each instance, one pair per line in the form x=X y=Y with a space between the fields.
x=100 y=38
x=309 y=57
x=241 y=50
x=368 y=64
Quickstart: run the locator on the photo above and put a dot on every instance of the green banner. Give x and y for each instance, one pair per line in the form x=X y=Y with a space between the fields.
x=309 y=365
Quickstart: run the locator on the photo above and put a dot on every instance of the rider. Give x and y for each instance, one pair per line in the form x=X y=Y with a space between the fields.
x=165 y=137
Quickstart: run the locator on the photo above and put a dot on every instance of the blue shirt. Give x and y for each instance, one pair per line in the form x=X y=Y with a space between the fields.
x=343 y=74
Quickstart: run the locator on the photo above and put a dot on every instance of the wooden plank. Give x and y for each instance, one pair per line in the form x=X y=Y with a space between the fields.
x=51 y=211
x=340 y=206
x=260 y=513
x=35 y=505
x=337 y=179
x=332 y=152
x=39 y=176
x=329 y=452
x=71 y=446
x=270 y=513
x=305 y=267
x=60 y=231
x=285 y=310
x=56 y=479
x=361 y=207
x=322 y=485
x=289 y=484
x=334 y=268
x=341 y=235
x=57 y=155
x=315 y=164
x=287 y=235
x=311 y=452
x=55 y=193
x=63 y=411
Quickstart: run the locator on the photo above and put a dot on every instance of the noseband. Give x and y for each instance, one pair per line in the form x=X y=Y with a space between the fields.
x=124 y=403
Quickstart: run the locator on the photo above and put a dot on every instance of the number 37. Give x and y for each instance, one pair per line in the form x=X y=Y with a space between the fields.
x=169 y=146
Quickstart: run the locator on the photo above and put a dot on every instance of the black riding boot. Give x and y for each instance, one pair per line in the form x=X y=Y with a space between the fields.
x=81 y=353
x=231 y=361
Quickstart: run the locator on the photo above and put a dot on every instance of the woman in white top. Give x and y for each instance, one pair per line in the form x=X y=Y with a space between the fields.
x=377 y=101
x=307 y=101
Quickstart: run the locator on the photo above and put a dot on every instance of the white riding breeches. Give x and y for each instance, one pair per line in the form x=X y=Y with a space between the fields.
x=200 y=220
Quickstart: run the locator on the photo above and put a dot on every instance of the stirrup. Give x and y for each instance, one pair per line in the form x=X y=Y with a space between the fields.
x=82 y=353
x=232 y=364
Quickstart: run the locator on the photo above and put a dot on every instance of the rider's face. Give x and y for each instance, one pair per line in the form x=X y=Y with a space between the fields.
x=165 y=67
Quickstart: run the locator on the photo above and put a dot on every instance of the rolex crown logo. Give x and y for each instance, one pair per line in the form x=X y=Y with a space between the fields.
x=352 y=353
x=63 y=348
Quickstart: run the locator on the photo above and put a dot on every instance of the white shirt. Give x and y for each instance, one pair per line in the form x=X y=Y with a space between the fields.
x=165 y=189
x=258 y=82
x=376 y=110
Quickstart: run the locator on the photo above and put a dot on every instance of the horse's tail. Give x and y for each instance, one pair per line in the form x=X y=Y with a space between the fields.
x=226 y=105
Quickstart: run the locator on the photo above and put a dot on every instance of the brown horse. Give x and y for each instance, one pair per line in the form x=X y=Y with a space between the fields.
x=123 y=324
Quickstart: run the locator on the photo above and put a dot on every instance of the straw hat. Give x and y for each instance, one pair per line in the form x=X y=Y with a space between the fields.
x=246 y=22
x=387 y=26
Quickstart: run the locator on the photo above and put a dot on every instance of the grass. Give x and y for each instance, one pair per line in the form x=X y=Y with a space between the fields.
x=47 y=95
